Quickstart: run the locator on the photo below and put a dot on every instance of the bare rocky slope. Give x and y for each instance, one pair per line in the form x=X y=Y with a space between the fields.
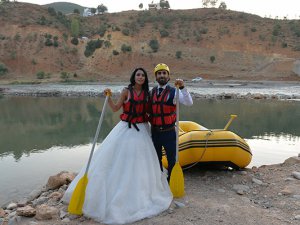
x=207 y=42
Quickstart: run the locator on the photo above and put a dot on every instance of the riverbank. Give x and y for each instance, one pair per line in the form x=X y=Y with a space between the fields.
x=206 y=89
x=264 y=195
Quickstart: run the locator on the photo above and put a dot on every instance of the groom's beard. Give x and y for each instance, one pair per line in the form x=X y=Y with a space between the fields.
x=162 y=81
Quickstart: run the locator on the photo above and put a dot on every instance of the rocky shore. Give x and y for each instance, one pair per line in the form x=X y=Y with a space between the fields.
x=203 y=90
x=264 y=195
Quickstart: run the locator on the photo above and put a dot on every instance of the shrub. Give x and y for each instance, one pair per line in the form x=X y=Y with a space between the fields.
x=42 y=21
x=126 y=48
x=115 y=52
x=212 y=59
x=40 y=75
x=284 y=45
x=107 y=44
x=164 y=33
x=154 y=45
x=276 y=30
x=74 y=41
x=17 y=37
x=262 y=37
x=65 y=36
x=3 y=69
x=203 y=30
x=102 y=30
x=126 y=32
x=48 y=42
x=48 y=36
x=55 y=43
x=64 y=75
x=91 y=47
x=178 y=54
x=115 y=28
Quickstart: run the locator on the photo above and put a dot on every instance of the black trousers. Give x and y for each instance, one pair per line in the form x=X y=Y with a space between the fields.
x=166 y=139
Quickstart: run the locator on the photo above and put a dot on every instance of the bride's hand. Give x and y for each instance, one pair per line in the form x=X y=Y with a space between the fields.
x=107 y=92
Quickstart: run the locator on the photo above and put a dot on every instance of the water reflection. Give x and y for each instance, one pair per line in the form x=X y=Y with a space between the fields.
x=30 y=124
x=255 y=118
x=36 y=124
x=272 y=149
x=40 y=137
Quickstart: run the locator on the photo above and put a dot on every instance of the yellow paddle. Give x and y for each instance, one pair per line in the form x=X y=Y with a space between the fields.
x=232 y=117
x=177 y=179
x=77 y=198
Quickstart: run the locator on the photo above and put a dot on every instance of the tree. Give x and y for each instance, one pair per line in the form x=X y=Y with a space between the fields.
x=93 y=10
x=213 y=2
x=76 y=11
x=222 y=5
x=75 y=27
x=206 y=3
x=164 y=4
x=102 y=9
x=141 y=5
x=51 y=11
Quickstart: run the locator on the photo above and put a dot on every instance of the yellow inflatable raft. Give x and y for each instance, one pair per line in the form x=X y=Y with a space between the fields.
x=198 y=144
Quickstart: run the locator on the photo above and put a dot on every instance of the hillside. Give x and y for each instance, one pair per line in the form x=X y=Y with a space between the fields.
x=65 y=7
x=35 y=45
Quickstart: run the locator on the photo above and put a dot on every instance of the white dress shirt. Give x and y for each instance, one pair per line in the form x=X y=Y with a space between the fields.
x=185 y=97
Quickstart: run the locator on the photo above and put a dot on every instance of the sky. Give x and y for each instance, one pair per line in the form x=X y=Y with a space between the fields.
x=263 y=8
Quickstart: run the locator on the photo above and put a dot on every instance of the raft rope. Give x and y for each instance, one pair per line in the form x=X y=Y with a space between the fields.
x=194 y=164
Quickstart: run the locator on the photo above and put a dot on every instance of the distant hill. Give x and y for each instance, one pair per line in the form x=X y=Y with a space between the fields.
x=41 y=45
x=65 y=7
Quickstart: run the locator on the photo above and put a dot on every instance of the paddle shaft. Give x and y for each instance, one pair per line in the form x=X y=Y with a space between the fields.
x=177 y=123
x=97 y=133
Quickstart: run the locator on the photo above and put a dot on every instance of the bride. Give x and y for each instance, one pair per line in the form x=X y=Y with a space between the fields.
x=125 y=181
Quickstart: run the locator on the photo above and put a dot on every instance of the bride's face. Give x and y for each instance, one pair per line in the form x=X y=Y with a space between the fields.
x=140 y=77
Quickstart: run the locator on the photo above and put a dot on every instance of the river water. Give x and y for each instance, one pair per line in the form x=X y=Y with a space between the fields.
x=40 y=137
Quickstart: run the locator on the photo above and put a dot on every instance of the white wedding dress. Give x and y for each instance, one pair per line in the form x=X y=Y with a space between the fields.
x=125 y=183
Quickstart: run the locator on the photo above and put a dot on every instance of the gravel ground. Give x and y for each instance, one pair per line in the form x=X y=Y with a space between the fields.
x=265 y=195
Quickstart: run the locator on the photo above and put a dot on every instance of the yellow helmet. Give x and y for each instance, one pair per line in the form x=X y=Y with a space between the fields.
x=161 y=66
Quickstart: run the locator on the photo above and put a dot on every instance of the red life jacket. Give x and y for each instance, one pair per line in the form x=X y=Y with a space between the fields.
x=163 y=109
x=134 y=110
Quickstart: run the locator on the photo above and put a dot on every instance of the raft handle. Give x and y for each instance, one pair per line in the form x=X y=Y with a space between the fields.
x=232 y=117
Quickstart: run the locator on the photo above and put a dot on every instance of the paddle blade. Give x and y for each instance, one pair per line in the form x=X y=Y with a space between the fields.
x=77 y=199
x=177 y=181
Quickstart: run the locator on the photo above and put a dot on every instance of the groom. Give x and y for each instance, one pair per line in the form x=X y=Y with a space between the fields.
x=163 y=114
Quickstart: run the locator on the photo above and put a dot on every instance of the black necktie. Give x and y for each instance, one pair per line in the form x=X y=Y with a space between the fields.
x=160 y=90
